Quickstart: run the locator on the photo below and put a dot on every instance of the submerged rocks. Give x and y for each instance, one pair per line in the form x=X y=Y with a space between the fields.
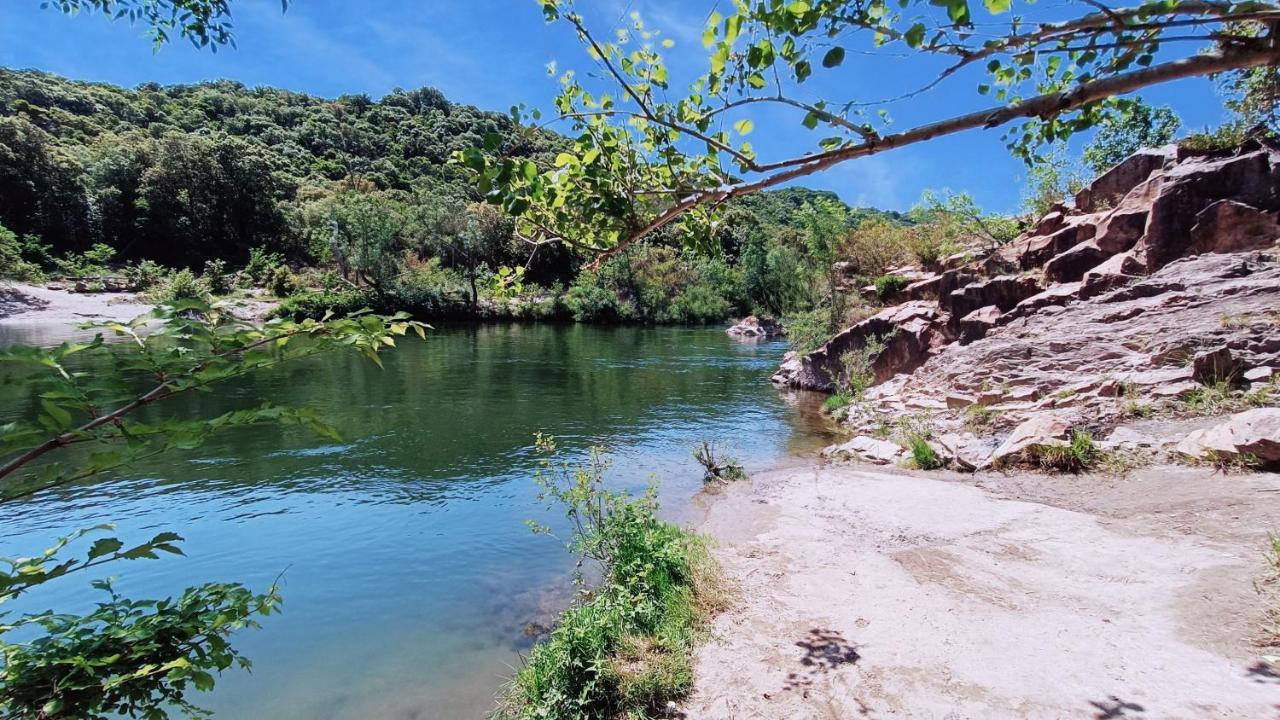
x=755 y=327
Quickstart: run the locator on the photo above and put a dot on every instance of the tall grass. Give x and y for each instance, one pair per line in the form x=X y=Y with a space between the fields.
x=624 y=649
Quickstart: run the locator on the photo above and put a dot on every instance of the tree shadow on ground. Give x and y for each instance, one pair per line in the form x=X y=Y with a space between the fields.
x=1113 y=707
x=824 y=651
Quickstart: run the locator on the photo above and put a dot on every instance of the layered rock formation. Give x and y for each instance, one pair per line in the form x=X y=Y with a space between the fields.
x=1164 y=277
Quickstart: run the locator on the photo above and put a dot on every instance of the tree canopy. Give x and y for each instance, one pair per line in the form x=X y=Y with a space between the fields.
x=647 y=155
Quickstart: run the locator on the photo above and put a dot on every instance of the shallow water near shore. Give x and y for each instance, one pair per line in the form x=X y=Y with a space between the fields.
x=408 y=573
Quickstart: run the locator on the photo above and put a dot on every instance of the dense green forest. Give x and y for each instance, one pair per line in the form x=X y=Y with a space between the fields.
x=350 y=202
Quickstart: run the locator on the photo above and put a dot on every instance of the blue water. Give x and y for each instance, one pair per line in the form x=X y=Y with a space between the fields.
x=408 y=572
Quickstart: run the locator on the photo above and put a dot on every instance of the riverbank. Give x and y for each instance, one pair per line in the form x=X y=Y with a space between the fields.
x=37 y=305
x=871 y=593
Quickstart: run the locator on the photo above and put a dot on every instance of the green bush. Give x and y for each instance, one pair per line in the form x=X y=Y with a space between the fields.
x=261 y=266
x=1079 y=454
x=180 y=285
x=923 y=456
x=888 y=286
x=807 y=331
x=588 y=301
x=624 y=649
x=90 y=263
x=215 y=273
x=282 y=282
x=12 y=261
x=145 y=275
x=315 y=303
x=837 y=401
x=698 y=304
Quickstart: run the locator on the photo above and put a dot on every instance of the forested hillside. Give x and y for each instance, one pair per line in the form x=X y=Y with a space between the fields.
x=359 y=199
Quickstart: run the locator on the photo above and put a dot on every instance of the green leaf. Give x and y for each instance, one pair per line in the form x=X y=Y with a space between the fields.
x=995 y=7
x=744 y=127
x=833 y=58
x=914 y=36
x=59 y=414
x=104 y=546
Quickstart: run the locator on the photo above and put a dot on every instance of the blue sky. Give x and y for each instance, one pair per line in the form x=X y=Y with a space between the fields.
x=494 y=53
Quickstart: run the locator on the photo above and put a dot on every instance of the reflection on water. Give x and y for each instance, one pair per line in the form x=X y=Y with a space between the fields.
x=409 y=575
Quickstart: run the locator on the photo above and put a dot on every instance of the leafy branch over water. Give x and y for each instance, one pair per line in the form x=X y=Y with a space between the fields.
x=138 y=657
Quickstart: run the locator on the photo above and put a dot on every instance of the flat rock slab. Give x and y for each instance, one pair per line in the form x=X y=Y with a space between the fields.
x=868 y=594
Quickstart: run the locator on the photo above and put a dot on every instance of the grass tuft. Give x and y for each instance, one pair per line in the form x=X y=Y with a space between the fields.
x=1079 y=454
x=923 y=456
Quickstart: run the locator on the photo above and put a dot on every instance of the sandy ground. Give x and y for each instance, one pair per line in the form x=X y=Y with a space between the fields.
x=21 y=303
x=863 y=593
x=35 y=307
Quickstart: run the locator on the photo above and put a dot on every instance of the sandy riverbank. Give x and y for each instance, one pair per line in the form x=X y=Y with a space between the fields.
x=870 y=593
x=23 y=305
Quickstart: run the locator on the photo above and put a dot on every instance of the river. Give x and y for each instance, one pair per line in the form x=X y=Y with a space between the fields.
x=408 y=572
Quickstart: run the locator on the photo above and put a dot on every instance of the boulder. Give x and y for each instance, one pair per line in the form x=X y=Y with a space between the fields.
x=959 y=401
x=1229 y=226
x=1259 y=374
x=911 y=332
x=1059 y=294
x=1191 y=186
x=754 y=327
x=1073 y=263
x=1252 y=433
x=1214 y=366
x=1116 y=271
x=978 y=323
x=1037 y=249
x=881 y=452
x=1038 y=431
x=1115 y=183
x=1004 y=292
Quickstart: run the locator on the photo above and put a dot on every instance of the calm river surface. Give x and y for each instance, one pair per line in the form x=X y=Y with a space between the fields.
x=408 y=572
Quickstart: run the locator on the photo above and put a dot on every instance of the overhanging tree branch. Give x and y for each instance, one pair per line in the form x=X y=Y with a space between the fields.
x=1041 y=106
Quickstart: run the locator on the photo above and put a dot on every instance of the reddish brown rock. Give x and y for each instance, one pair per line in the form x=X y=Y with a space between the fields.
x=977 y=323
x=1117 y=182
x=1189 y=187
x=1072 y=264
x=1253 y=434
x=1214 y=366
x=1004 y=292
x=1116 y=271
x=1228 y=226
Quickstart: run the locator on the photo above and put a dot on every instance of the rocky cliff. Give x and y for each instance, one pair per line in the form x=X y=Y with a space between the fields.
x=1163 y=280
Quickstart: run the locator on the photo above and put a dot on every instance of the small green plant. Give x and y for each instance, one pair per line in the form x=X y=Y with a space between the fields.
x=145 y=275
x=722 y=468
x=1134 y=408
x=215 y=274
x=624 y=649
x=859 y=366
x=888 y=286
x=261 y=265
x=179 y=286
x=837 y=401
x=1079 y=454
x=282 y=283
x=923 y=456
x=980 y=418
